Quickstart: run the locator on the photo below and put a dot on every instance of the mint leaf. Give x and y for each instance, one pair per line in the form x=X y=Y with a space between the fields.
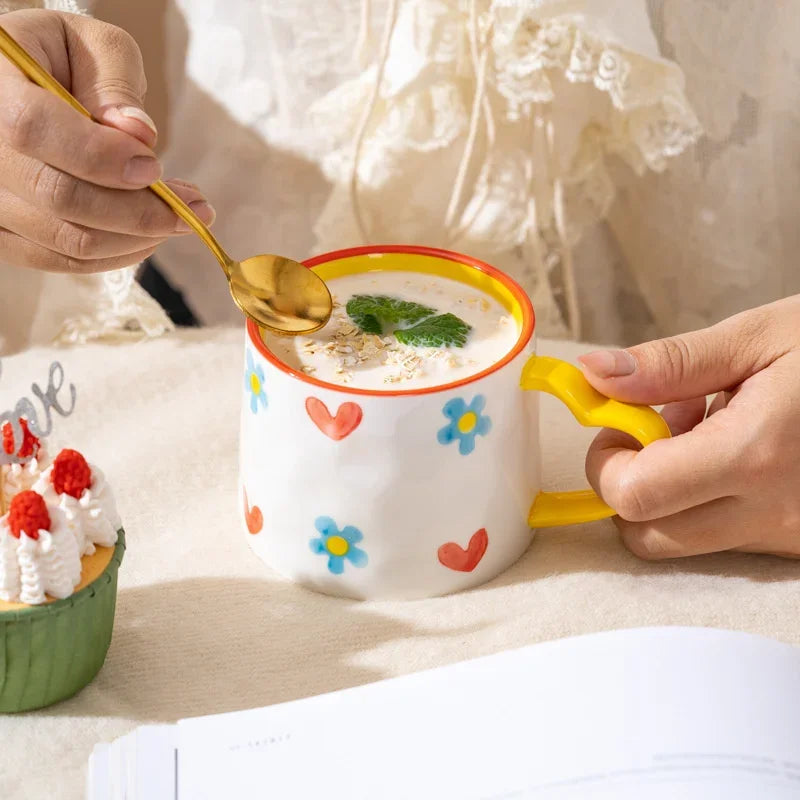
x=370 y=312
x=446 y=330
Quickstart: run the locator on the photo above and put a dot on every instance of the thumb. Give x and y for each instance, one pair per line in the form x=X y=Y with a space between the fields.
x=108 y=76
x=688 y=365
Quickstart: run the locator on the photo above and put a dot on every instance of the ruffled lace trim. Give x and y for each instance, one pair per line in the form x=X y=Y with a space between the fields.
x=124 y=311
x=534 y=183
x=650 y=119
x=655 y=121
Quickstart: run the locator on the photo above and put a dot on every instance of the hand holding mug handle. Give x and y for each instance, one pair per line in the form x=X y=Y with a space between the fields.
x=591 y=409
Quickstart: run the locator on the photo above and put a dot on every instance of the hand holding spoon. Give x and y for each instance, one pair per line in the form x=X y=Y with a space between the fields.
x=277 y=293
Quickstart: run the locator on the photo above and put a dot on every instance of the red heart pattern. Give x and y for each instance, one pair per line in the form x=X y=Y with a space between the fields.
x=455 y=557
x=252 y=516
x=347 y=418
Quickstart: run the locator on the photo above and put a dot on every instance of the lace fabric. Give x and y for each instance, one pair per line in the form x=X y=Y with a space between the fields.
x=478 y=125
x=537 y=97
x=122 y=311
x=558 y=139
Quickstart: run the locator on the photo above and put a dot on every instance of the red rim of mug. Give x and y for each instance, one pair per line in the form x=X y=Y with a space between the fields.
x=526 y=332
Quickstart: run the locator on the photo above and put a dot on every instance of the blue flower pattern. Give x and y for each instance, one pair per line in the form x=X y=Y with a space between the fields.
x=254 y=383
x=466 y=422
x=338 y=546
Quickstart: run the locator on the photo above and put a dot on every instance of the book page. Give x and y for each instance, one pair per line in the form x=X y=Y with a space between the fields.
x=98 y=775
x=656 y=713
x=141 y=764
x=154 y=763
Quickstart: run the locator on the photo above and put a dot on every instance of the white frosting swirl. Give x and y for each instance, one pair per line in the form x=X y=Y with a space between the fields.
x=93 y=518
x=50 y=565
x=9 y=566
x=30 y=578
x=34 y=568
x=21 y=477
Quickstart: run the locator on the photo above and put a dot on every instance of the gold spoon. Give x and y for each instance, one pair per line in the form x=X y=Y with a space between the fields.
x=278 y=293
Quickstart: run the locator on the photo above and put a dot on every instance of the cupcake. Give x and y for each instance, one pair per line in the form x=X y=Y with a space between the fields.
x=61 y=544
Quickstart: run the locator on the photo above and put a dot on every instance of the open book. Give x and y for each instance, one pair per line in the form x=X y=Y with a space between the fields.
x=646 y=714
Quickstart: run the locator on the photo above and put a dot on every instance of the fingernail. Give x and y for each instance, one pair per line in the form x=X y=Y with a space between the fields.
x=609 y=363
x=142 y=171
x=131 y=112
x=202 y=210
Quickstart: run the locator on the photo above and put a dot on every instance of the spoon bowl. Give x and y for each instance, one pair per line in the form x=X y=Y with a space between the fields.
x=279 y=294
x=283 y=295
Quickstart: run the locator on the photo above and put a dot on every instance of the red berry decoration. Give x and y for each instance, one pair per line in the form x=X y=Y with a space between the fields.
x=30 y=443
x=71 y=474
x=28 y=514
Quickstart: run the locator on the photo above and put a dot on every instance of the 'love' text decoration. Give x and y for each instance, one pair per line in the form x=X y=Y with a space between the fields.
x=39 y=420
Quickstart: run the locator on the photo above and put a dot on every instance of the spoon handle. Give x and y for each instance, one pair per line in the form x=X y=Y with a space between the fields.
x=15 y=53
x=193 y=221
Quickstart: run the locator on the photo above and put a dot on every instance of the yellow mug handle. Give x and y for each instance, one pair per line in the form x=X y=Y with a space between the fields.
x=593 y=410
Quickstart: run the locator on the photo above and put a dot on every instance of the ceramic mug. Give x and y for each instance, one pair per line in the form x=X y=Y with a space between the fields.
x=410 y=493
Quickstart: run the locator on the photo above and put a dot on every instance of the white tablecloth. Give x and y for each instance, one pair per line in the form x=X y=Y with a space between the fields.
x=203 y=626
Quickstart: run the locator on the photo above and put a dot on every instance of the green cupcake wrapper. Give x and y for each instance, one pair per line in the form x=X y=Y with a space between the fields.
x=50 y=652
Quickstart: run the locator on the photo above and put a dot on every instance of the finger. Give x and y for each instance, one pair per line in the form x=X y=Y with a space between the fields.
x=39 y=125
x=44 y=38
x=698 y=363
x=19 y=251
x=710 y=528
x=108 y=76
x=101 y=65
x=67 y=238
x=669 y=475
x=684 y=415
x=61 y=195
x=131 y=120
